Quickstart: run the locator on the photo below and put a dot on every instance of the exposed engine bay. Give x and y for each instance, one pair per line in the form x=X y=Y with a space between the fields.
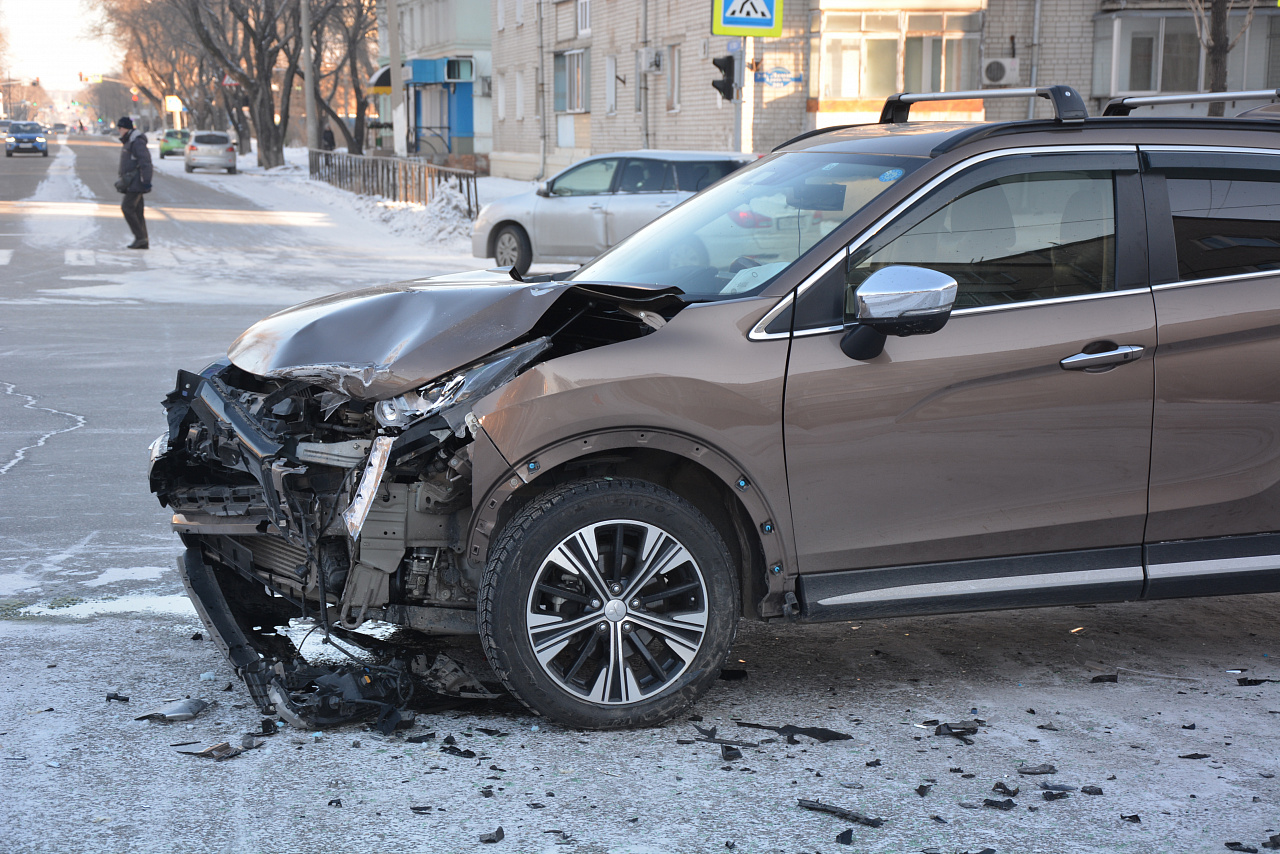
x=307 y=492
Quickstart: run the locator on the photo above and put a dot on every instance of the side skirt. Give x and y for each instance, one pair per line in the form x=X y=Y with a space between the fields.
x=1217 y=567
x=1057 y=578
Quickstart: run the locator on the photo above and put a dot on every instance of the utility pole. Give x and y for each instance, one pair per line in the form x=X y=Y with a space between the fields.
x=309 y=77
x=399 y=123
x=643 y=82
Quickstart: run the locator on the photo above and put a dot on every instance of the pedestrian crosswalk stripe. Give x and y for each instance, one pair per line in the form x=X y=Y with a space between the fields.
x=6 y=255
x=80 y=258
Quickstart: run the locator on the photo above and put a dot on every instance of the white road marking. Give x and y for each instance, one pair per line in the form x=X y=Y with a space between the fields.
x=6 y=255
x=80 y=258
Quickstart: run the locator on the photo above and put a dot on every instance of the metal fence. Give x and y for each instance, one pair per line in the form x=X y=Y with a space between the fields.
x=392 y=178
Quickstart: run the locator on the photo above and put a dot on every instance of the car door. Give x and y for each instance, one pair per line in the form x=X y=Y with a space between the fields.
x=646 y=189
x=975 y=463
x=569 y=222
x=1215 y=455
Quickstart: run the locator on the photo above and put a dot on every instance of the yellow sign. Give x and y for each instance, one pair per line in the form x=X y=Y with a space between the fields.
x=172 y=104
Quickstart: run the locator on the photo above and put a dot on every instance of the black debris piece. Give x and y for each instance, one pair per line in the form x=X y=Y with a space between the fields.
x=183 y=743
x=1106 y=677
x=706 y=732
x=118 y=697
x=1090 y=790
x=1004 y=789
x=1250 y=683
x=687 y=741
x=391 y=719
x=1048 y=727
x=422 y=810
x=1240 y=846
x=732 y=674
x=1037 y=769
x=695 y=718
x=217 y=752
x=1057 y=787
x=1031 y=711
x=845 y=837
x=496 y=836
x=817 y=733
x=198 y=636
x=536 y=806
x=448 y=739
x=496 y=733
x=420 y=739
x=494 y=767
x=455 y=751
x=939 y=819
x=728 y=753
x=486 y=792
x=730 y=845
x=1273 y=843
x=923 y=790
x=874 y=763
x=336 y=802
x=1266 y=775
x=930 y=722
x=967 y=776
x=968 y=805
x=1006 y=805
x=1112 y=777
x=840 y=812
x=983 y=851
x=1135 y=819
x=1054 y=796
x=956 y=770
x=269 y=727
x=1189 y=726
x=960 y=729
x=1194 y=756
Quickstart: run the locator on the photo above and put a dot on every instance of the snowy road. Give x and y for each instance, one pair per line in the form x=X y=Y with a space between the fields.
x=90 y=603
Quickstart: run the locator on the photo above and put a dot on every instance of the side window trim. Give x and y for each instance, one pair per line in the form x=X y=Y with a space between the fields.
x=759 y=333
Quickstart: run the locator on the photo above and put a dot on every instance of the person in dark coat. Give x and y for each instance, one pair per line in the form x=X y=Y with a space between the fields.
x=327 y=141
x=134 y=180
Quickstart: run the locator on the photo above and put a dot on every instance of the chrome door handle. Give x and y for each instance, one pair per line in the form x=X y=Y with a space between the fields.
x=1118 y=356
x=595 y=207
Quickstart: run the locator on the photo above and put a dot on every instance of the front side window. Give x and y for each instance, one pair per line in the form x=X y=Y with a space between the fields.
x=736 y=237
x=589 y=179
x=1225 y=222
x=1018 y=238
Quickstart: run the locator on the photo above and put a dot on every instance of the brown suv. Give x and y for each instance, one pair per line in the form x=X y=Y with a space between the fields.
x=898 y=368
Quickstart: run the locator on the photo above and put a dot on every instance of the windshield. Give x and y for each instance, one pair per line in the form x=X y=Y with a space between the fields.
x=737 y=236
x=24 y=127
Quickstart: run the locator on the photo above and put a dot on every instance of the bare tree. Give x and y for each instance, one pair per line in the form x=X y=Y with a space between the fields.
x=1211 y=26
x=346 y=42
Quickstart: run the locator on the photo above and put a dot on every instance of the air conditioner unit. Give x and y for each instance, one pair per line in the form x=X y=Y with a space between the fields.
x=1000 y=72
x=484 y=87
x=652 y=60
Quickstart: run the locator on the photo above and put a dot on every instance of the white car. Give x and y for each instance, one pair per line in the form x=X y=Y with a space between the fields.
x=593 y=204
x=210 y=149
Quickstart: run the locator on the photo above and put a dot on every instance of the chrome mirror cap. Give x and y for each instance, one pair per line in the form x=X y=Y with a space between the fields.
x=899 y=296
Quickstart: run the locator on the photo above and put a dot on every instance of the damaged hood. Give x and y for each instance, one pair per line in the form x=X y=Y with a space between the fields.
x=378 y=342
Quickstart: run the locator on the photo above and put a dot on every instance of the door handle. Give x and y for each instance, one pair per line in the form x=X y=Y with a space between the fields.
x=595 y=207
x=1118 y=356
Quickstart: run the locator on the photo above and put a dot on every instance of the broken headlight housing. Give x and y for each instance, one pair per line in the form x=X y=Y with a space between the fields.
x=447 y=394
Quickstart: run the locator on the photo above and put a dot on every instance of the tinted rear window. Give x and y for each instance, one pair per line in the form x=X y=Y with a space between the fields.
x=1225 y=222
x=212 y=139
x=695 y=176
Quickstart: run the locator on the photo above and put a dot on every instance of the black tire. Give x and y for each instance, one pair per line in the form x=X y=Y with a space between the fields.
x=44 y=153
x=188 y=167
x=638 y=648
x=231 y=170
x=162 y=155
x=511 y=248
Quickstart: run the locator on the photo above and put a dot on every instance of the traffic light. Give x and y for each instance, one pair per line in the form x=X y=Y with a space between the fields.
x=725 y=84
x=35 y=82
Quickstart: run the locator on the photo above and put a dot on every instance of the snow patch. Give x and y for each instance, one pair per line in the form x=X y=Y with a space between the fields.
x=176 y=605
x=61 y=184
x=127 y=573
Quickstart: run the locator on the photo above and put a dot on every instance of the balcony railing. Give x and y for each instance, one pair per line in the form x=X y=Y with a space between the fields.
x=393 y=178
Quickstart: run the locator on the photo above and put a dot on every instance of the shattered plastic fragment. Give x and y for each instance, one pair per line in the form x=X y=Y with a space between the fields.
x=845 y=837
x=874 y=763
x=496 y=836
x=1251 y=683
x=1273 y=842
x=729 y=753
x=939 y=819
x=1006 y=805
x=923 y=790
x=117 y=697
x=1054 y=796
x=730 y=674
x=1048 y=727
x=1090 y=790
x=1135 y=819
x=1194 y=756
x=817 y=733
x=177 y=710
x=217 y=752
x=1240 y=846
x=335 y=802
x=1002 y=788
x=1057 y=787
x=1106 y=677
x=1038 y=769
x=840 y=812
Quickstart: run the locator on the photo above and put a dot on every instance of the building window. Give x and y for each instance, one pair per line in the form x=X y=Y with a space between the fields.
x=877 y=54
x=572 y=81
x=500 y=5
x=519 y=12
x=584 y=17
x=519 y=96
x=1135 y=54
x=610 y=85
x=673 y=78
x=500 y=96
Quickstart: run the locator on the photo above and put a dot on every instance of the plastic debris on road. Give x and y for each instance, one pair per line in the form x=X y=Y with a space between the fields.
x=175 y=710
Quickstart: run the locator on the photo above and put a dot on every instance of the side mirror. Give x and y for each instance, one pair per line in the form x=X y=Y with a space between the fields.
x=544 y=189
x=898 y=301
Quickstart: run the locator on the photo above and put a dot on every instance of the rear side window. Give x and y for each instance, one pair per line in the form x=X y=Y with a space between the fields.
x=1023 y=237
x=695 y=176
x=212 y=139
x=1225 y=222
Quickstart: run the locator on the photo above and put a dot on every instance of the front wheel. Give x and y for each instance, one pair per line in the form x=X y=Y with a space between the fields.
x=511 y=248
x=608 y=603
x=231 y=170
x=44 y=153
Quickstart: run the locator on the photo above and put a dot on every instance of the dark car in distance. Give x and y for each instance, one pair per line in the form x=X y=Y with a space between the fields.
x=993 y=365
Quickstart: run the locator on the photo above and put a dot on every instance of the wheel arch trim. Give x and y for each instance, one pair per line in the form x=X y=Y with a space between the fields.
x=766 y=533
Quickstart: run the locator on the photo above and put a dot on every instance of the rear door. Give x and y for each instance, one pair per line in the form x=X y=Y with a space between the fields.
x=570 y=222
x=646 y=190
x=964 y=468
x=1215 y=456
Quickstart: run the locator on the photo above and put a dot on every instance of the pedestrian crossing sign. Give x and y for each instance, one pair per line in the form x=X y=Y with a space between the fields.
x=746 y=18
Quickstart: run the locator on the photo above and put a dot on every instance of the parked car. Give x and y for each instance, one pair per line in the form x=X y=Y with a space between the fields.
x=210 y=150
x=59 y=127
x=593 y=205
x=1014 y=364
x=174 y=142
x=25 y=136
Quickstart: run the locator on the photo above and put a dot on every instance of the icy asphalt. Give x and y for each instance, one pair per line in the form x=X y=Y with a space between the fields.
x=90 y=604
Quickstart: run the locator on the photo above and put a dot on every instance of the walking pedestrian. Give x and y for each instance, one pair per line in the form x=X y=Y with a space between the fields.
x=134 y=180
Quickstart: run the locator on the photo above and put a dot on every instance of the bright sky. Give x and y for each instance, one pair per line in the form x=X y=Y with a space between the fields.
x=52 y=40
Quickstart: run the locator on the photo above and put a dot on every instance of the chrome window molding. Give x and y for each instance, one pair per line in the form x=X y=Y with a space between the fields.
x=1210 y=149
x=986 y=309
x=1260 y=274
x=757 y=332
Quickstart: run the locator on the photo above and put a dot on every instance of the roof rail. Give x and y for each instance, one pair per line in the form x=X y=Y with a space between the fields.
x=1122 y=106
x=1068 y=106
